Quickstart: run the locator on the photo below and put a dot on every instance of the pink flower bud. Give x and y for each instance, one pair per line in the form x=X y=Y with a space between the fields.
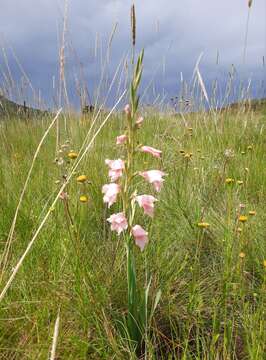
x=127 y=110
x=121 y=139
x=139 y=121
x=154 y=152
x=64 y=195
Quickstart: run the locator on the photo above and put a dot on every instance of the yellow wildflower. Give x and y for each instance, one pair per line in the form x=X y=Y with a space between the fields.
x=243 y=218
x=203 y=225
x=229 y=181
x=72 y=155
x=83 y=199
x=82 y=178
x=242 y=255
x=252 y=212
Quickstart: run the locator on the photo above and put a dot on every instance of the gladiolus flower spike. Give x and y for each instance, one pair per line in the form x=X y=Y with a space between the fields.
x=122 y=183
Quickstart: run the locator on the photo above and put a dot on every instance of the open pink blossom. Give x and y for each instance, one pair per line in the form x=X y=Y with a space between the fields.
x=154 y=177
x=147 y=203
x=116 y=168
x=121 y=139
x=154 y=152
x=140 y=236
x=127 y=110
x=139 y=121
x=110 y=192
x=118 y=222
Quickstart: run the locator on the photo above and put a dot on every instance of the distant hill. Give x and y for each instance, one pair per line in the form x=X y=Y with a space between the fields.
x=247 y=105
x=9 y=109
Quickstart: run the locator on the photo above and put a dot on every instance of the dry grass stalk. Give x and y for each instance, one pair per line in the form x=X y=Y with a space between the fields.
x=55 y=337
x=111 y=40
x=24 y=73
x=62 y=188
x=4 y=258
x=202 y=86
x=246 y=33
x=62 y=87
x=97 y=114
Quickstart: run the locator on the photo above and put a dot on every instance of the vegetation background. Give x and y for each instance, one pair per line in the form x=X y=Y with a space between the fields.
x=63 y=277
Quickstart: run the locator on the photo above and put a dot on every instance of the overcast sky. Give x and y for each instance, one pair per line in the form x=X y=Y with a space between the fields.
x=173 y=32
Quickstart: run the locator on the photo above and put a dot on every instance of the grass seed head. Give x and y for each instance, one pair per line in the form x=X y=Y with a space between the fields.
x=133 y=24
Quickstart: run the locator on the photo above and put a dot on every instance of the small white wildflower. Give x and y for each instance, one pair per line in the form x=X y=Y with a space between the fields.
x=229 y=153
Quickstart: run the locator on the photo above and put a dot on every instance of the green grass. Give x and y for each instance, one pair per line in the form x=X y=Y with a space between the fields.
x=213 y=301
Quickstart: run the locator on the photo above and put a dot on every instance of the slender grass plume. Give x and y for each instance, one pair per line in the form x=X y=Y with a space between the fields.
x=250 y=2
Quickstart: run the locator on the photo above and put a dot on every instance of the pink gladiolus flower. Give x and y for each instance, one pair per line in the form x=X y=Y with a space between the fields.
x=127 y=110
x=110 y=192
x=118 y=222
x=154 y=152
x=139 y=121
x=147 y=203
x=121 y=139
x=116 y=168
x=140 y=236
x=154 y=177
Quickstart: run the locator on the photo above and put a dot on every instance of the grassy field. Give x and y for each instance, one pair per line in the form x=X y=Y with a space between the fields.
x=209 y=265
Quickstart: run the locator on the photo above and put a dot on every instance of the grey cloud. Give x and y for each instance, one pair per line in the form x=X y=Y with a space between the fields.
x=172 y=32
